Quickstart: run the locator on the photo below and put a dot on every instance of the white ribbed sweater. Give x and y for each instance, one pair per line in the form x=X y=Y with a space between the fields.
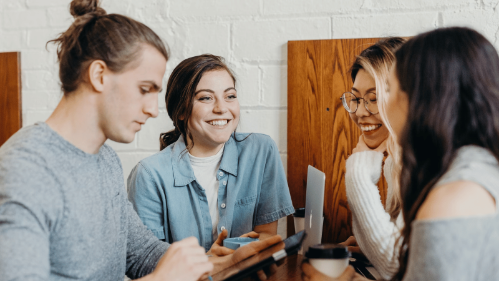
x=375 y=233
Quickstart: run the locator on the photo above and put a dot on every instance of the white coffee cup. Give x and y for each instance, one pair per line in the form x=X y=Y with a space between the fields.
x=329 y=259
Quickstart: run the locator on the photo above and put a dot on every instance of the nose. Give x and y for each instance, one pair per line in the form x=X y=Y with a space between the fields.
x=220 y=106
x=151 y=106
x=361 y=110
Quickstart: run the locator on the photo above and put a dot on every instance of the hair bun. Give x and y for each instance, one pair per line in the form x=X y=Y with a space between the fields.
x=82 y=7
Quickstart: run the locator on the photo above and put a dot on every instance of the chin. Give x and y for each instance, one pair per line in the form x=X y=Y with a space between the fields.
x=221 y=140
x=373 y=142
x=123 y=138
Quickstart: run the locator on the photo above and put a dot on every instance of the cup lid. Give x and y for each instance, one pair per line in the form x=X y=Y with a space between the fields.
x=327 y=251
x=299 y=213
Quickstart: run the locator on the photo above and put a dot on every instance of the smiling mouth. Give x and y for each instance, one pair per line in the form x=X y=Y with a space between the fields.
x=369 y=128
x=218 y=123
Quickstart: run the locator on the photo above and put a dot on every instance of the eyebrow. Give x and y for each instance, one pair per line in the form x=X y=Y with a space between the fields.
x=368 y=90
x=153 y=84
x=211 y=91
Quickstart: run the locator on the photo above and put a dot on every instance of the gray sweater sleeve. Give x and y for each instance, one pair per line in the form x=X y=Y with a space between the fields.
x=143 y=248
x=27 y=216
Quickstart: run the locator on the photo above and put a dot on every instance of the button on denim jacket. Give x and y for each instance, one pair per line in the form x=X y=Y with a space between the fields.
x=252 y=190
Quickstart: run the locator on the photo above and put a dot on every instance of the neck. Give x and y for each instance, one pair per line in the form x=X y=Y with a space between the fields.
x=76 y=120
x=200 y=150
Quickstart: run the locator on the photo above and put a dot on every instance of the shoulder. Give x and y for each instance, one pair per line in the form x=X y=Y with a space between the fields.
x=253 y=140
x=26 y=140
x=457 y=199
x=256 y=145
x=26 y=150
x=468 y=188
x=24 y=169
x=154 y=166
x=158 y=160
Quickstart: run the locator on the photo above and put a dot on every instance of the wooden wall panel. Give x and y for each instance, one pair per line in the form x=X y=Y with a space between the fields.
x=320 y=131
x=10 y=95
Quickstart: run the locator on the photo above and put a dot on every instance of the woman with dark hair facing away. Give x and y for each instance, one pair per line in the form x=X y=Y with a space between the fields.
x=445 y=84
x=375 y=227
x=209 y=181
x=64 y=213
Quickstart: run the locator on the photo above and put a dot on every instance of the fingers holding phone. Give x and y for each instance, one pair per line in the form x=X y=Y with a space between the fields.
x=183 y=261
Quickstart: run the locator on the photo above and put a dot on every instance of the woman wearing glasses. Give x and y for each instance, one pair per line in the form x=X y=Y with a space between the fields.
x=374 y=226
x=444 y=109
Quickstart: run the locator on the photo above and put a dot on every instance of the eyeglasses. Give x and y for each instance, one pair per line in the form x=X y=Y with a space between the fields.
x=351 y=102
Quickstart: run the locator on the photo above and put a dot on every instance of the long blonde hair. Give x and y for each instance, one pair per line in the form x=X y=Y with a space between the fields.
x=377 y=61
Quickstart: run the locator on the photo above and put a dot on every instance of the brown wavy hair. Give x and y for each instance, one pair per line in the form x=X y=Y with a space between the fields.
x=180 y=92
x=96 y=35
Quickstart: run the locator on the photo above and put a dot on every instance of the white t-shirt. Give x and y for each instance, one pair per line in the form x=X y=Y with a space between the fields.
x=205 y=170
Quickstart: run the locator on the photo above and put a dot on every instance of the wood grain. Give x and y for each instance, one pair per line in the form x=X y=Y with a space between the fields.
x=320 y=131
x=10 y=95
x=289 y=270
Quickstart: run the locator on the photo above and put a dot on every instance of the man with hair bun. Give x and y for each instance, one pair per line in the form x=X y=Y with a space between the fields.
x=64 y=212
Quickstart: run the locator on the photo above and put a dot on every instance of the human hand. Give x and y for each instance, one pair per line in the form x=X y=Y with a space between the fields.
x=183 y=261
x=352 y=245
x=246 y=252
x=251 y=234
x=217 y=249
x=254 y=248
x=309 y=273
x=362 y=146
x=275 y=241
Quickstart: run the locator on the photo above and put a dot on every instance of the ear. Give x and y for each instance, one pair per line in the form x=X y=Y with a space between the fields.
x=96 y=72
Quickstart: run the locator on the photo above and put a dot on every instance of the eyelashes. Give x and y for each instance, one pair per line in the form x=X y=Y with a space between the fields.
x=207 y=98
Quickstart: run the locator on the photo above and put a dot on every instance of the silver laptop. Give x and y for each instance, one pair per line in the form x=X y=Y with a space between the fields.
x=316 y=181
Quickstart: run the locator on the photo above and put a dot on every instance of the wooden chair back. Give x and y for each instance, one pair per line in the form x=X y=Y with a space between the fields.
x=320 y=131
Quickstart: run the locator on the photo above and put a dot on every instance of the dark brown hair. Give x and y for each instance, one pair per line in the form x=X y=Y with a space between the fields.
x=451 y=78
x=95 y=35
x=180 y=93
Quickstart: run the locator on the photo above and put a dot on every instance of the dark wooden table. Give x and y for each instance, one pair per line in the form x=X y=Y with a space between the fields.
x=290 y=270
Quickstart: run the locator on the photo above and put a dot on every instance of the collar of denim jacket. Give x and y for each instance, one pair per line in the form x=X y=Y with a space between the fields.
x=183 y=174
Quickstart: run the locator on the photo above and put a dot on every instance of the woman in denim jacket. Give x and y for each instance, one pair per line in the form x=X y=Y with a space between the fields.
x=209 y=181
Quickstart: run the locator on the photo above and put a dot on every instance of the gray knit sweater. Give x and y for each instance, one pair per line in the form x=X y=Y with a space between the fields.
x=64 y=213
x=459 y=248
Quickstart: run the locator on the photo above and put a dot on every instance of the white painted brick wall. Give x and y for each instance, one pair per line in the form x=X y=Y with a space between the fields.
x=19 y=19
x=251 y=34
x=379 y=25
x=485 y=22
x=265 y=40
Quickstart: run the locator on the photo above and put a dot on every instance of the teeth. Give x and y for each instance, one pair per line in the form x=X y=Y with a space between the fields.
x=218 y=122
x=369 y=128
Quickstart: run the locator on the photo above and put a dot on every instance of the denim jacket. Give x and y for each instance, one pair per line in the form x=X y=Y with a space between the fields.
x=253 y=190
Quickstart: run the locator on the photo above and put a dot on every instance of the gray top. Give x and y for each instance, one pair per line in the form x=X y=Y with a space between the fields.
x=459 y=248
x=64 y=213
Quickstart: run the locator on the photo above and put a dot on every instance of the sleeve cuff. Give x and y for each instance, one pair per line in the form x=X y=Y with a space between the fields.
x=271 y=217
x=158 y=232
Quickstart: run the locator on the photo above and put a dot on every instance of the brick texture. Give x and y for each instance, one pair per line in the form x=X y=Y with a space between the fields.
x=379 y=25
